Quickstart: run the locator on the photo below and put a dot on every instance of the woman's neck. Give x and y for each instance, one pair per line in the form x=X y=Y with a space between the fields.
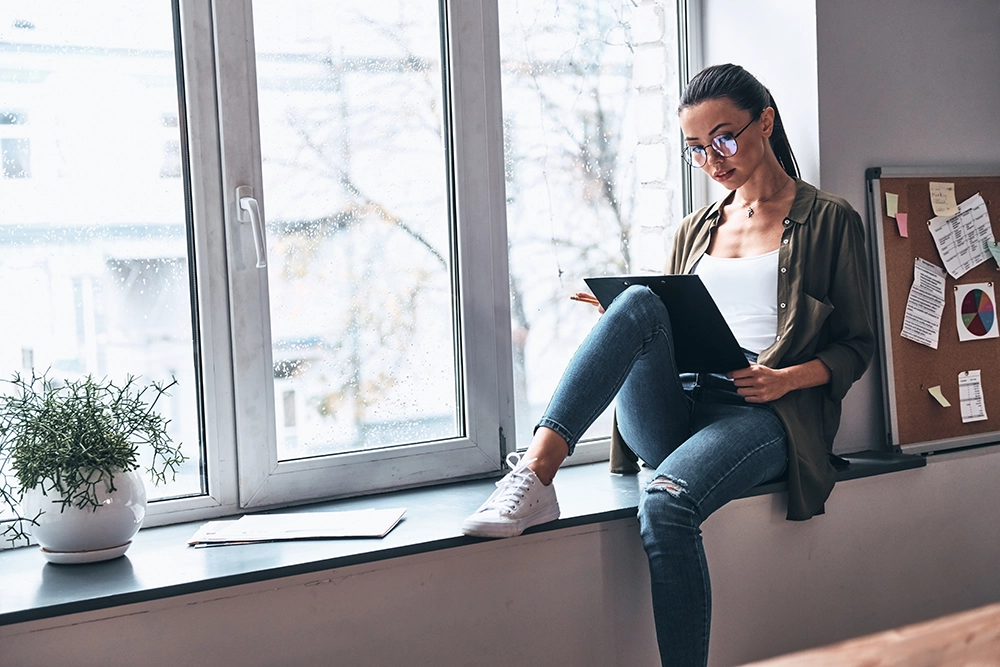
x=769 y=181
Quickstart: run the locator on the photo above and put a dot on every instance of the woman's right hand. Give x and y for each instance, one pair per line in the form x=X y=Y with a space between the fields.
x=584 y=297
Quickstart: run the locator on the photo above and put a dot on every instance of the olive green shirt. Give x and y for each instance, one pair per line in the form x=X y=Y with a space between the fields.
x=824 y=312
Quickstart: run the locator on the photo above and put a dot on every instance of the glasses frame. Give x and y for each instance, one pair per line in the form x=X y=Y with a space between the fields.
x=690 y=151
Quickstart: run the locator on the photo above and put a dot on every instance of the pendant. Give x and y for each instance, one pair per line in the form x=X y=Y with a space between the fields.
x=749 y=211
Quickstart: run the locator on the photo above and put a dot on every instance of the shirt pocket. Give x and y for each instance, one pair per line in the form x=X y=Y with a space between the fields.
x=812 y=314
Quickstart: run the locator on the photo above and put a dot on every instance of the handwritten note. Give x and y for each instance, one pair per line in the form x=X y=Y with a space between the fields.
x=901 y=224
x=891 y=204
x=935 y=391
x=970 y=394
x=925 y=304
x=963 y=239
x=943 y=199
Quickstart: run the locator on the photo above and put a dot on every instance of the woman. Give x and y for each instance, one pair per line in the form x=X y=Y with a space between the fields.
x=786 y=265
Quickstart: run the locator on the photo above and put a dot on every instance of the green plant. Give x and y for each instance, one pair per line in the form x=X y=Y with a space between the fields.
x=67 y=438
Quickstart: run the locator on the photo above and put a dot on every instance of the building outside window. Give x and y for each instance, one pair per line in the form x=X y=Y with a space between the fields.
x=431 y=182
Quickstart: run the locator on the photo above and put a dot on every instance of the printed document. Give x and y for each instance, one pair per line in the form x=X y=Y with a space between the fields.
x=925 y=305
x=970 y=393
x=963 y=240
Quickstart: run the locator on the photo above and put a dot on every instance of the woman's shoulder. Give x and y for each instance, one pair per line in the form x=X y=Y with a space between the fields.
x=704 y=216
x=827 y=204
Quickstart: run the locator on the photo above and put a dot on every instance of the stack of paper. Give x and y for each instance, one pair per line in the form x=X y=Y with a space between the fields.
x=299 y=526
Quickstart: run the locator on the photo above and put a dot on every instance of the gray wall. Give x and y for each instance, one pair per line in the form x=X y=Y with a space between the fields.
x=903 y=83
x=915 y=85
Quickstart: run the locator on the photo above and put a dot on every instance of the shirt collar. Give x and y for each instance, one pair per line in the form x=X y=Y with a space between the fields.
x=805 y=198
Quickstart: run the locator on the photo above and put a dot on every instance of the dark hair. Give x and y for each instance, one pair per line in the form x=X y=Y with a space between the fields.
x=746 y=92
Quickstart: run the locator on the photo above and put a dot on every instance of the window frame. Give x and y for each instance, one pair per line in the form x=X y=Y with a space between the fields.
x=220 y=145
x=479 y=219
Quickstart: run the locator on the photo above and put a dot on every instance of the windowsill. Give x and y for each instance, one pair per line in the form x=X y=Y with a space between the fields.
x=160 y=565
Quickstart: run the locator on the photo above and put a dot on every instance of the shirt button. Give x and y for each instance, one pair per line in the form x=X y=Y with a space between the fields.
x=778 y=337
x=787 y=222
x=784 y=241
x=783 y=269
x=782 y=305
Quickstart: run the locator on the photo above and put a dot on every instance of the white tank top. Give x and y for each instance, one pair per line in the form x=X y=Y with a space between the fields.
x=746 y=291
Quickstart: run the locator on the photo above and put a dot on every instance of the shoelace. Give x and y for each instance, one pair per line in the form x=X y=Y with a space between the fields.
x=513 y=486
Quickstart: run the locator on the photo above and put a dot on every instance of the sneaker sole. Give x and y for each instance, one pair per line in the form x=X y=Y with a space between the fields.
x=474 y=528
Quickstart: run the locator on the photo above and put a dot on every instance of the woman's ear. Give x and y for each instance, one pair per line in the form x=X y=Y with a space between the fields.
x=767 y=121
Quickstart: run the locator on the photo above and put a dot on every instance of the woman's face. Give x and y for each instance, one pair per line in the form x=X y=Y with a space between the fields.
x=707 y=120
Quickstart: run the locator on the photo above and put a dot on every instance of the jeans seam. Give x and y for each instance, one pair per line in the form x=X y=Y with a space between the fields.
x=608 y=396
x=733 y=469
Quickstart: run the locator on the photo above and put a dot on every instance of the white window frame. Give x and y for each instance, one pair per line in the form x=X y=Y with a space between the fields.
x=239 y=435
x=483 y=302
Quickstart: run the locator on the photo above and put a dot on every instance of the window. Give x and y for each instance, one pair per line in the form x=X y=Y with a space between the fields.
x=591 y=165
x=15 y=151
x=348 y=229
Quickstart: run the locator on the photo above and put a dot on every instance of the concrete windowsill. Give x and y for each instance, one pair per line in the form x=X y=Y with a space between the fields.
x=159 y=564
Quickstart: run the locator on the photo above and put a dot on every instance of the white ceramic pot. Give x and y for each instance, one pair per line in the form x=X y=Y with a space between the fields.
x=73 y=535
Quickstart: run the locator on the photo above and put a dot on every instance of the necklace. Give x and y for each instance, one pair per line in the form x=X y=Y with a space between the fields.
x=774 y=194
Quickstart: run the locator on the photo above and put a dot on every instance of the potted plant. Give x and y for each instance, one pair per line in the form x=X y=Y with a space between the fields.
x=69 y=460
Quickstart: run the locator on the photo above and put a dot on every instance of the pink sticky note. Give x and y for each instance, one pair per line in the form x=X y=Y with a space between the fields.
x=901 y=223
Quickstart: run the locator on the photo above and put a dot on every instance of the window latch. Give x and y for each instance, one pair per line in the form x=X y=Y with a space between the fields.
x=248 y=210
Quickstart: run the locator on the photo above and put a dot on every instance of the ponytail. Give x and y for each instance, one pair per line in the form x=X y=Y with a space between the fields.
x=779 y=142
x=746 y=92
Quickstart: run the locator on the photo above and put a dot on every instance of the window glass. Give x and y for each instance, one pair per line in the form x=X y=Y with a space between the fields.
x=592 y=169
x=94 y=270
x=358 y=224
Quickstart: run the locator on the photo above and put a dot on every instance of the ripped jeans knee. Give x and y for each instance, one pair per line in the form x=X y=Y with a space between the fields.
x=668 y=484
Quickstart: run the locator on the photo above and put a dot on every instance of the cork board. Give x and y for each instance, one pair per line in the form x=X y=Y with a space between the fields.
x=915 y=420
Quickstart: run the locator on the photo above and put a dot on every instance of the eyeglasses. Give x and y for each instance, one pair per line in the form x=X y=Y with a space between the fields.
x=724 y=145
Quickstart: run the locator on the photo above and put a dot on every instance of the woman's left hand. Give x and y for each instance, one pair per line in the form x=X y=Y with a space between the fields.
x=760 y=384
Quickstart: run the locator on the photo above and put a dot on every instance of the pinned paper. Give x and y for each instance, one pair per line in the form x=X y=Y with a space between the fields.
x=963 y=240
x=970 y=394
x=935 y=391
x=925 y=304
x=943 y=199
x=975 y=312
x=994 y=248
x=901 y=225
x=891 y=204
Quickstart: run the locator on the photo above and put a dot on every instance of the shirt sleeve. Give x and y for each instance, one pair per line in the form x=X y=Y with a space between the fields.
x=852 y=339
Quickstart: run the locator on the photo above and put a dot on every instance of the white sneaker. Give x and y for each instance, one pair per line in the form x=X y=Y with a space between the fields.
x=520 y=501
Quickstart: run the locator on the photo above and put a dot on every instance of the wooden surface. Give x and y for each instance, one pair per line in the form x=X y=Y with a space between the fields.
x=917 y=367
x=967 y=639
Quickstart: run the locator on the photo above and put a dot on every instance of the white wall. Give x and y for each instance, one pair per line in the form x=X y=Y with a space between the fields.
x=775 y=40
x=890 y=550
x=905 y=83
x=914 y=84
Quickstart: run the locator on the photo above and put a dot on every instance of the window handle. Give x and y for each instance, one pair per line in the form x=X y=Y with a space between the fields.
x=248 y=210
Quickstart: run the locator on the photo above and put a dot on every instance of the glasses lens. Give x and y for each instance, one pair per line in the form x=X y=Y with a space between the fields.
x=725 y=145
x=695 y=156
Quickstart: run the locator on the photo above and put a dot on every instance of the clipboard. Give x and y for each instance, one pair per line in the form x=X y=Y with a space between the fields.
x=703 y=341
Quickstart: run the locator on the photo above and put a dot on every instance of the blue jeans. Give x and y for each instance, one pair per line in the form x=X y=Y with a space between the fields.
x=707 y=444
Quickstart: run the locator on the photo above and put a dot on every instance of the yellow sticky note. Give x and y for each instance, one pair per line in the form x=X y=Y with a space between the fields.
x=891 y=204
x=935 y=391
x=943 y=199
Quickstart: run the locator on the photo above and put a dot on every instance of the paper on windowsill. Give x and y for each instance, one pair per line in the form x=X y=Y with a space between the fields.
x=299 y=526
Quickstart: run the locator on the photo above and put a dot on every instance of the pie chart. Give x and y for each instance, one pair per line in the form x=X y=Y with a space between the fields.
x=978 y=313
